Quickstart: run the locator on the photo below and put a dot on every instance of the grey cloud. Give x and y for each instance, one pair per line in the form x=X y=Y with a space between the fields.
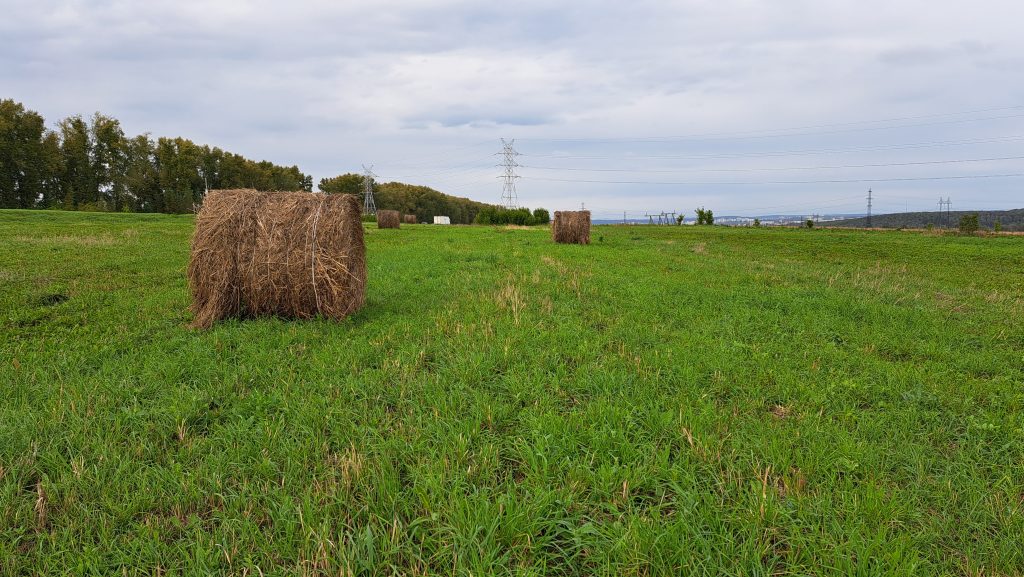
x=329 y=85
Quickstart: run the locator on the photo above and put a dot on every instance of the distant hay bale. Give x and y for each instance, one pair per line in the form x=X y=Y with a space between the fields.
x=409 y=218
x=442 y=220
x=388 y=218
x=285 y=254
x=571 y=227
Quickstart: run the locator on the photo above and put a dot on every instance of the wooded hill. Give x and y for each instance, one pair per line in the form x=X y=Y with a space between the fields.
x=1008 y=220
x=423 y=201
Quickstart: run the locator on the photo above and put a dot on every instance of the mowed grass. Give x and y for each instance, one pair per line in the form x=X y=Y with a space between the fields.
x=666 y=401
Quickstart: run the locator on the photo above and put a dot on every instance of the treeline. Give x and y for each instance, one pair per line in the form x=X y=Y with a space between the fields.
x=518 y=216
x=423 y=201
x=93 y=165
x=1009 y=220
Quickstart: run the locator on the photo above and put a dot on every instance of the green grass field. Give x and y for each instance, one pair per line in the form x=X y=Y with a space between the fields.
x=665 y=401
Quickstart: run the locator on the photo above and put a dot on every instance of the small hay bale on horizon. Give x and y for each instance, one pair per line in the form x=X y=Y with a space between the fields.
x=409 y=218
x=388 y=218
x=571 y=227
x=284 y=254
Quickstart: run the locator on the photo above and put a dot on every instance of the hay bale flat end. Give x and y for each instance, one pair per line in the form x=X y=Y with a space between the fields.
x=285 y=254
x=571 y=227
x=388 y=218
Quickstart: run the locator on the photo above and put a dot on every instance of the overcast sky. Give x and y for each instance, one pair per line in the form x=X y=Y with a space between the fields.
x=723 y=103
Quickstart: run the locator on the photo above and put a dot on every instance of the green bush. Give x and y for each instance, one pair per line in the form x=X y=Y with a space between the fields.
x=969 y=223
x=809 y=223
x=517 y=216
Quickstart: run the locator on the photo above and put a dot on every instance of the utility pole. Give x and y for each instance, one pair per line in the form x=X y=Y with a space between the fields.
x=369 y=207
x=869 y=208
x=509 y=199
x=945 y=214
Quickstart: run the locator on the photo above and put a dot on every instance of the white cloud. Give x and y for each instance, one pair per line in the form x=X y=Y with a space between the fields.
x=420 y=87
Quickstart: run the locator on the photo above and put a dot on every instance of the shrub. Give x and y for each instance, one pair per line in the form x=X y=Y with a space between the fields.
x=757 y=222
x=998 y=226
x=809 y=223
x=969 y=223
x=517 y=216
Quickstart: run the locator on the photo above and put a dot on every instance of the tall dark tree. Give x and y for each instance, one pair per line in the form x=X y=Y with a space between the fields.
x=178 y=166
x=109 y=161
x=27 y=157
x=78 y=182
x=142 y=179
x=348 y=183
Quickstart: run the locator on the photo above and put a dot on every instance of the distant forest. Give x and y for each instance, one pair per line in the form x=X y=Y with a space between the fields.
x=1008 y=220
x=92 y=165
x=423 y=201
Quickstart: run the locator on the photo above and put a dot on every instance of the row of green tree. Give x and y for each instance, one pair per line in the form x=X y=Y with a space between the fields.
x=92 y=165
x=423 y=201
x=518 y=216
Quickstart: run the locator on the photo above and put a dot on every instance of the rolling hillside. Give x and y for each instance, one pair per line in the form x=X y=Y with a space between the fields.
x=1009 y=219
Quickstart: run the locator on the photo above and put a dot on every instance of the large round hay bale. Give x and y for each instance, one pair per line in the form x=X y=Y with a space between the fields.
x=286 y=254
x=409 y=218
x=571 y=227
x=388 y=218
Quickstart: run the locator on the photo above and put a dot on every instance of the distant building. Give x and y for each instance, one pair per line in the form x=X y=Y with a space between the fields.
x=442 y=220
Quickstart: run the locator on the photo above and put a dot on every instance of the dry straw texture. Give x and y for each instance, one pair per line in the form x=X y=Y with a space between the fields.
x=286 y=254
x=409 y=218
x=571 y=227
x=388 y=218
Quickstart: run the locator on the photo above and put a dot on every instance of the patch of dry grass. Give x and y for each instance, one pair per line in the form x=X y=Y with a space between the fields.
x=104 y=239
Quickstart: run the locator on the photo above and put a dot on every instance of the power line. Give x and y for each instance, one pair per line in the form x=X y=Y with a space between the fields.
x=758 y=133
x=838 y=181
x=803 y=152
x=644 y=170
x=428 y=158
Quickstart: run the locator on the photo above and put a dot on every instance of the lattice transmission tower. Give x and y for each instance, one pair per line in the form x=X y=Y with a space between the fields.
x=509 y=199
x=869 y=208
x=369 y=207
